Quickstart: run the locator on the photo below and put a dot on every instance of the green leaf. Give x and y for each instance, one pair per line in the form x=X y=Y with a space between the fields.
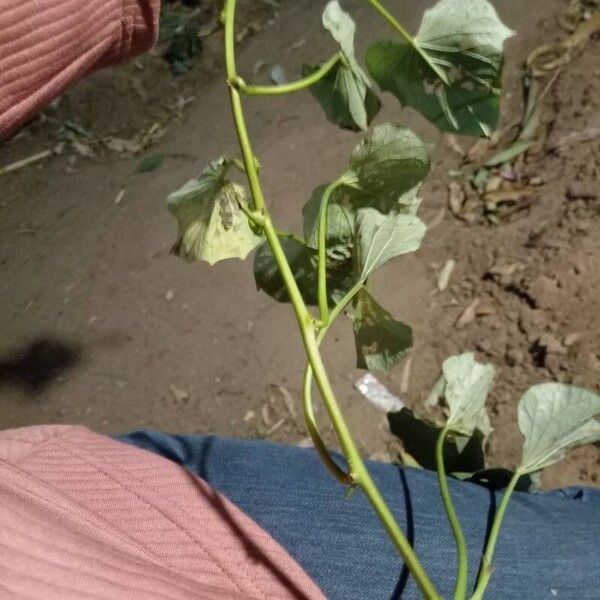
x=386 y=170
x=211 y=225
x=389 y=162
x=340 y=238
x=409 y=202
x=341 y=215
x=419 y=438
x=466 y=386
x=451 y=72
x=340 y=278
x=341 y=26
x=340 y=222
x=345 y=93
x=381 y=341
x=554 y=418
x=381 y=238
x=150 y=163
x=301 y=260
x=385 y=174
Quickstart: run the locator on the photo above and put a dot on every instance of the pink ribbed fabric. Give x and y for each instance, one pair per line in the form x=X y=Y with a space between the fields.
x=86 y=517
x=47 y=44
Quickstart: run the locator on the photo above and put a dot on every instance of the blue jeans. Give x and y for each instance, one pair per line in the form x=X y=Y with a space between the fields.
x=549 y=545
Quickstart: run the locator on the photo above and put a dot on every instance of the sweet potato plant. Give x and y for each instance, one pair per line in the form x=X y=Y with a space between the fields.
x=451 y=72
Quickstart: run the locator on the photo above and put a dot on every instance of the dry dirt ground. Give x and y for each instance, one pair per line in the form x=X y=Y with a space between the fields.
x=101 y=325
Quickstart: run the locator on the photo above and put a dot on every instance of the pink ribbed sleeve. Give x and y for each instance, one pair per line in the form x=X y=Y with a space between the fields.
x=47 y=44
x=83 y=517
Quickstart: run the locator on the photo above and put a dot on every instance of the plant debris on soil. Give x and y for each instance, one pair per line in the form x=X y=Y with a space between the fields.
x=129 y=108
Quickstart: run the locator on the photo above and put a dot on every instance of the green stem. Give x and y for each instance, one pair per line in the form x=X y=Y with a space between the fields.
x=309 y=414
x=322 y=245
x=308 y=332
x=313 y=430
x=238 y=112
x=339 y=307
x=385 y=13
x=259 y=219
x=361 y=476
x=486 y=564
x=293 y=86
x=358 y=472
x=462 y=573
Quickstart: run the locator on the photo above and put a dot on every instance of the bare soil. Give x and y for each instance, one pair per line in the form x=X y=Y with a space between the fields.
x=101 y=325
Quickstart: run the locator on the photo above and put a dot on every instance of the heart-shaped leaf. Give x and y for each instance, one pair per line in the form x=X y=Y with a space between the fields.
x=383 y=237
x=211 y=225
x=390 y=161
x=466 y=386
x=301 y=260
x=381 y=341
x=386 y=171
x=345 y=93
x=451 y=71
x=554 y=418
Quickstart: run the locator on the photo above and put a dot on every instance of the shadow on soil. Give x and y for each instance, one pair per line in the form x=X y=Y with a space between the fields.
x=35 y=366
